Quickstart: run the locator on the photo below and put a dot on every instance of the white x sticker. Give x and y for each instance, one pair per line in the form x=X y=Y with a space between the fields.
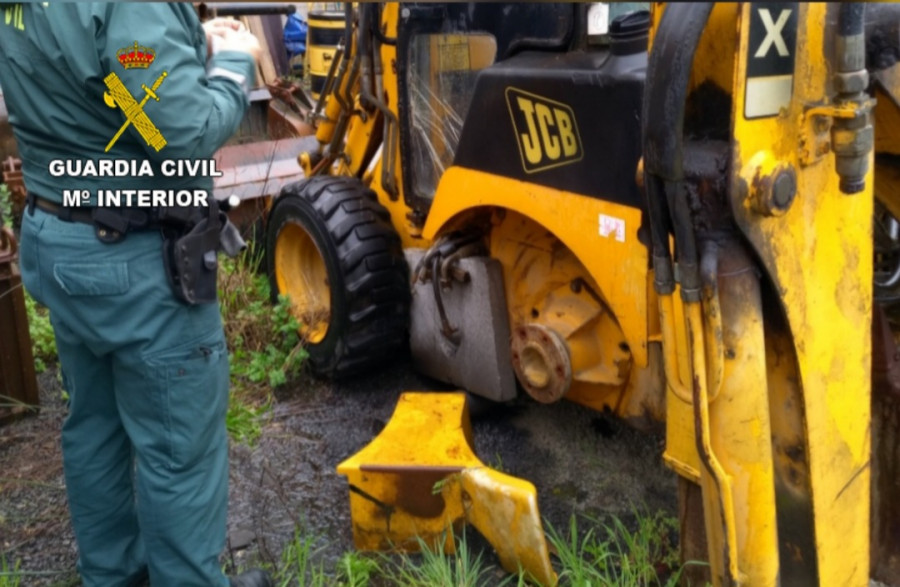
x=773 y=33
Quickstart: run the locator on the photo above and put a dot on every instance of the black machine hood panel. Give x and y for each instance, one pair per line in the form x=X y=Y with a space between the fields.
x=570 y=121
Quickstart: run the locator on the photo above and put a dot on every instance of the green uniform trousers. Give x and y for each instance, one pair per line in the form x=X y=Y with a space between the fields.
x=144 y=444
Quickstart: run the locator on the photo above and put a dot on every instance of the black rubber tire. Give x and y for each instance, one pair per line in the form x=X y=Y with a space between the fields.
x=367 y=273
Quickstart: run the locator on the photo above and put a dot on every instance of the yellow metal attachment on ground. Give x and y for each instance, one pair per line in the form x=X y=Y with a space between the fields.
x=420 y=477
x=504 y=509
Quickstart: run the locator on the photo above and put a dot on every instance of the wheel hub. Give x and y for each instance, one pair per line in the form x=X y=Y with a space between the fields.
x=301 y=273
x=541 y=362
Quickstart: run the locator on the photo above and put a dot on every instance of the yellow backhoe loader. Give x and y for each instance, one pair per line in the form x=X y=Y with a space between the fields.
x=669 y=214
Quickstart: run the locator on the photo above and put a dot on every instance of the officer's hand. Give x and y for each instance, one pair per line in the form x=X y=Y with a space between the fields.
x=216 y=29
x=242 y=41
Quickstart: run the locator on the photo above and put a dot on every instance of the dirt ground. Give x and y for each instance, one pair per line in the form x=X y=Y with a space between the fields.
x=580 y=461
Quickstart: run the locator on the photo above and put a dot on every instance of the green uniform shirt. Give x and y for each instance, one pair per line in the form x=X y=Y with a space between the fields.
x=54 y=57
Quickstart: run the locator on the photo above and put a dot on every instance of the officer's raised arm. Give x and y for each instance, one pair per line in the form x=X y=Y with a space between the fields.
x=176 y=97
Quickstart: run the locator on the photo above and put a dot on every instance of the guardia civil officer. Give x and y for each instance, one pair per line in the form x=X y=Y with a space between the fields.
x=139 y=335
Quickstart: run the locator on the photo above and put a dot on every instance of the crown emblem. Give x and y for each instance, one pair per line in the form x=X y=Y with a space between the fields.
x=136 y=56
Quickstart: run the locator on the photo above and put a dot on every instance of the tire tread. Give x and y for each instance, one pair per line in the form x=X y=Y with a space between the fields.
x=374 y=272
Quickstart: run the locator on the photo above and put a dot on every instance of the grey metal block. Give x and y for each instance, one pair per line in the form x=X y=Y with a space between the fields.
x=481 y=362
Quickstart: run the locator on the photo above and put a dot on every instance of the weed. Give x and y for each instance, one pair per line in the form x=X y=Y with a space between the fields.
x=497 y=463
x=297 y=566
x=653 y=546
x=439 y=485
x=243 y=419
x=265 y=349
x=265 y=343
x=6 y=208
x=598 y=554
x=356 y=570
x=610 y=554
x=43 y=342
x=434 y=568
x=273 y=362
x=10 y=577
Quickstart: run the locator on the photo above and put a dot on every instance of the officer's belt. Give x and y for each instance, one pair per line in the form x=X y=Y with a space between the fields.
x=191 y=237
x=66 y=213
x=112 y=224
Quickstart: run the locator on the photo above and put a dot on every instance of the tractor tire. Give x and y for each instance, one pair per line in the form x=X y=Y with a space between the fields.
x=332 y=249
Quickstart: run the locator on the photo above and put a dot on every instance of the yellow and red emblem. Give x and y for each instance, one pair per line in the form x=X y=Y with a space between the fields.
x=137 y=56
x=134 y=57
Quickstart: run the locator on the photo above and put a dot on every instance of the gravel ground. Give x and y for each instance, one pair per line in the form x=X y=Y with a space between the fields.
x=580 y=461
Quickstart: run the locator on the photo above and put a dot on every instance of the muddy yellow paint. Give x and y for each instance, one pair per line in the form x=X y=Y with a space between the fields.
x=887 y=138
x=410 y=232
x=729 y=402
x=819 y=257
x=681 y=445
x=574 y=220
x=547 y=285
x=504 y=509
x=331 y=111
x=419 y=478
x=300 y=270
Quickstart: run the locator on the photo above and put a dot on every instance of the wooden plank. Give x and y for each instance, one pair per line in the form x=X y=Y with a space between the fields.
x=267 y=71
x=273 y=26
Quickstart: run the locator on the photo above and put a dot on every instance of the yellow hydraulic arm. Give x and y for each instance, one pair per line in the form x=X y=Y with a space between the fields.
x=766 y=329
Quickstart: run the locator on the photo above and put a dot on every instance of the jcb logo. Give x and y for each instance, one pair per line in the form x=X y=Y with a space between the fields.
x=545 y=131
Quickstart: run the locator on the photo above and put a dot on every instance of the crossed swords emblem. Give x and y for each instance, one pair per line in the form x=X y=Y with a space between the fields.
x=118 y=95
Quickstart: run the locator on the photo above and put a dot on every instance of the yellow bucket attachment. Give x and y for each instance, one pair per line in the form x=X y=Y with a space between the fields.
x=420 y=477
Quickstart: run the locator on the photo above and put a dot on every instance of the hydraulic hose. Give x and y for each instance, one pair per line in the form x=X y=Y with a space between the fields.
x=665 y=97
x=665 y=93
x=665 y=100
x=852 y=138
x=851 y=19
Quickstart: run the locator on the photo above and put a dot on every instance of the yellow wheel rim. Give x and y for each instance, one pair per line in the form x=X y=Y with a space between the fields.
x=300 y=273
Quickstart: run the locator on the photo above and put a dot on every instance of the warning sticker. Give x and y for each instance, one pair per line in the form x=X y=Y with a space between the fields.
x=770 y=58
x=612 y=226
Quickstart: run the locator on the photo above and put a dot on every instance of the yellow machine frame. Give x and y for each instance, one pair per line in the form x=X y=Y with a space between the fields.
x=763 y=378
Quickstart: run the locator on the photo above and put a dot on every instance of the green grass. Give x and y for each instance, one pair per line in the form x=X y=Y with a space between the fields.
x=297 y=565
x=356 y=569
x=43 y=341
x=10 y=577
x=612 y=554
x=6 y=215
x=244 y=419
x=588 y=553
x=263 y=341
x=301 y=565
x=434 y=568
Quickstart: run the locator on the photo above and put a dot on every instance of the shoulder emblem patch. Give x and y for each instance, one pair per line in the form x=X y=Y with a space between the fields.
x=117 y=95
